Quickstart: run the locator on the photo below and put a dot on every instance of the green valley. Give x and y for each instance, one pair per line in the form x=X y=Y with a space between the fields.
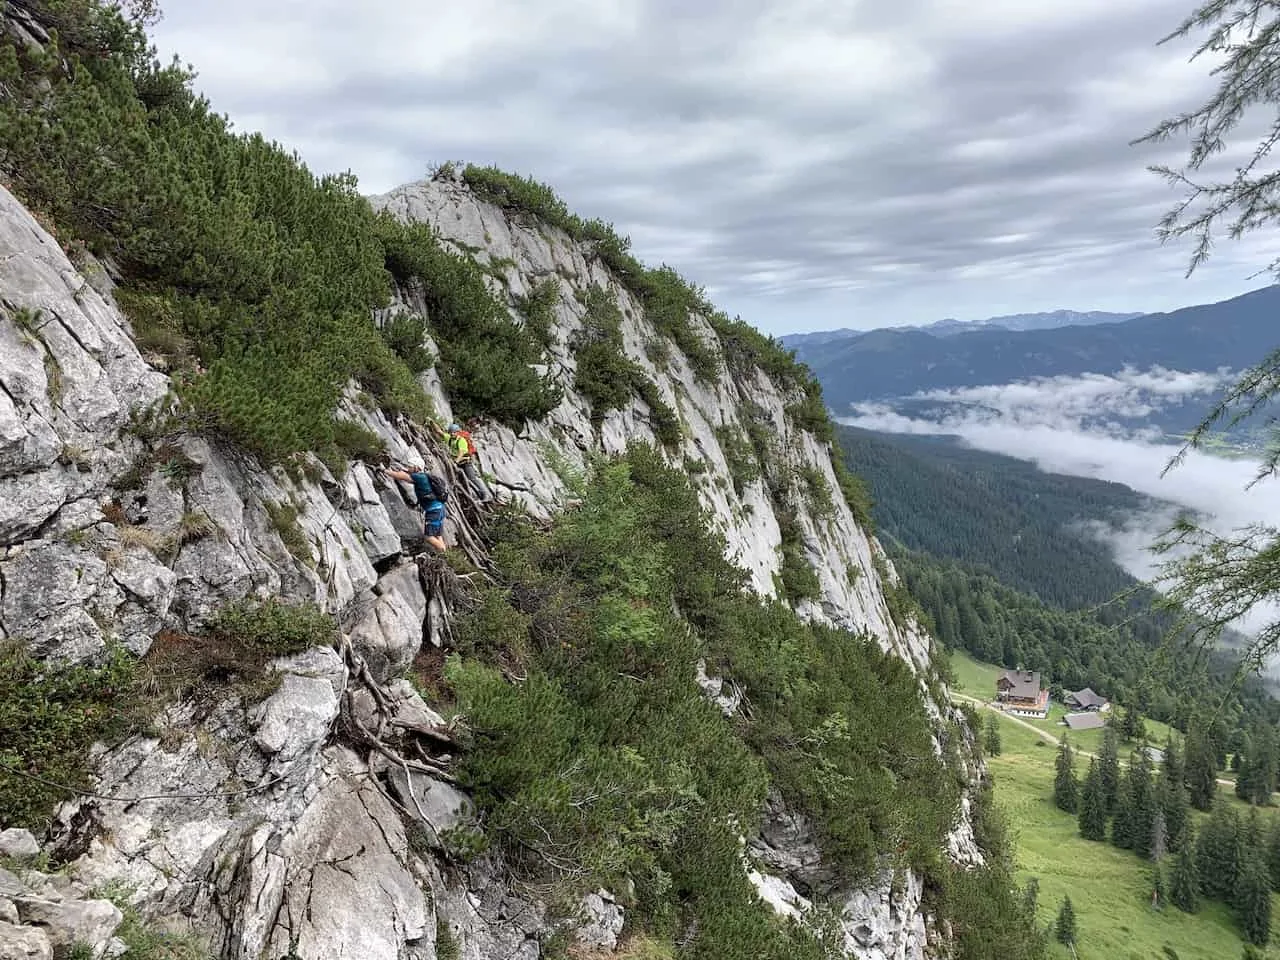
x=990 y=550
x=1110 y=888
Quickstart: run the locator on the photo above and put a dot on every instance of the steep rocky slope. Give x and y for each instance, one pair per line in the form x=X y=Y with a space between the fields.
x=258 y=823
x=281 y=788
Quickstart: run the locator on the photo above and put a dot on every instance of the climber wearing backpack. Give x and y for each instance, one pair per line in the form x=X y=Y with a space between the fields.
x=464 y=453
x=431 y=491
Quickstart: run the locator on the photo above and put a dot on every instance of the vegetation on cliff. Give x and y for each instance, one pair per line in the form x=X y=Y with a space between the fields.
x=258 y=282
x=603 y=765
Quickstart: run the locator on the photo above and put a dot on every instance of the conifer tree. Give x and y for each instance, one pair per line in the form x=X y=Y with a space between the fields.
x=1158 y=894
x=1201 y=767
x=1273 y=855
x=1109 y=767
x=1173 y=795
x=1257 y=774
x=1093 y=806
x=1132 y=726
x=1217 y=853
x=1065 y=787
x=1159 y=836
x=1065 y=927
x=1253 y=898
x=991 y=736
x=1184 y=884
x=1134 y=822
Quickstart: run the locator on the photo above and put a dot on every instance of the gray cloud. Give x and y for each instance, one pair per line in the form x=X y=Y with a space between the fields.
x=812 y=164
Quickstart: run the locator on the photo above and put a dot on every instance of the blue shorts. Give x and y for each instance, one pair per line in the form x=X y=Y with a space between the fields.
x=433 y=519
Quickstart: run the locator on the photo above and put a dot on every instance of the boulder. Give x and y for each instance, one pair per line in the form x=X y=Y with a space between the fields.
x=444 y=807
x=601 y=921
x=67 y=922
x=390 y=633
x=24 y=943
x=18 y=843
x=296 y=718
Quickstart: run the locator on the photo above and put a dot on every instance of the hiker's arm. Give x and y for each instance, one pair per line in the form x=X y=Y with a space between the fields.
x=397 y=475
x=438 y=430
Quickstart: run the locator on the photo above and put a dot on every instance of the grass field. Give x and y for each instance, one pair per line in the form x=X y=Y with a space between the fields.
x=1110 y=888
x=977 y=679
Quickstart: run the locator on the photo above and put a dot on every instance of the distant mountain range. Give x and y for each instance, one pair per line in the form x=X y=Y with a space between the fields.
x=950 y=327
x=887 y=363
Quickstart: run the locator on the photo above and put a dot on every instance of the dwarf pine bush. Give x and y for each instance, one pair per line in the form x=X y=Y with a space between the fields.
x=49 y=718
x=607 y=765
x=607 y=377
x=256 y=275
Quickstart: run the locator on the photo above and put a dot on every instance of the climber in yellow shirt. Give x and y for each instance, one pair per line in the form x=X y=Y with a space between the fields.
x=464 y=453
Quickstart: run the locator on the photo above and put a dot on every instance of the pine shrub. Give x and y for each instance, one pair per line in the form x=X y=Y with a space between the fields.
x=50 y=716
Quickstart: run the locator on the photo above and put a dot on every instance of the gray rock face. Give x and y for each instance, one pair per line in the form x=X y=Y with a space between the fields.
x=390 y=633
x=434 y=803
x=17 y=843
x=296 y=718
x=24 y=943
x=602 y=921
x=256 y=821
x=68 y=922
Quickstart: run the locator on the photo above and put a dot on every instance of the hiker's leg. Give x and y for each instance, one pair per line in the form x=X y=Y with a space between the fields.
x=477 y=481
x=433 y=528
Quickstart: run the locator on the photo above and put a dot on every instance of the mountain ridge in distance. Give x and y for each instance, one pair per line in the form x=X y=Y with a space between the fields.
x=950 y=326
x=889 y=362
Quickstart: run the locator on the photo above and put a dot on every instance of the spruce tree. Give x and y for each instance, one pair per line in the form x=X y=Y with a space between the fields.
x=1132 y=726
x=1109 y=766
x=1093 y=806
x=1240 y=767
x=1253 y=898
x=1273 y=855
x=1217 y=853
x=1065 y=787
x=1065 y=927
x=1122 y=827
x=1135 y=814
x=1201 y=767
x=1184 y=884
x=991 y=736
x=1257 y=776
x=1157 y=887
x=1173 y=797
x=1159 y=837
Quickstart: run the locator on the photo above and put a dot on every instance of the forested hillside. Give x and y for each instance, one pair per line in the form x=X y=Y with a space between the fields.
x=1118 y=652
x=991 y=548
x=998 y=512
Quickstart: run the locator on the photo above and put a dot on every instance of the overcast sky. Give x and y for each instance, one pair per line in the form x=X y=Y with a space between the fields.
x=814 y=164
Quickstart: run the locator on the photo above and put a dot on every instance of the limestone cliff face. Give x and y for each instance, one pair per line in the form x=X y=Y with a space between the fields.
x=255 y=822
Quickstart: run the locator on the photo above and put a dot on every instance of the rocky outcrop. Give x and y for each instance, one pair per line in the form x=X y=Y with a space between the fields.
x=45 y=916
x=251 y=818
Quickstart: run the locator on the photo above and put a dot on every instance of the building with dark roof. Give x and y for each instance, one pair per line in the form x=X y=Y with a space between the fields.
x=1086 y=699
x=1018 y=691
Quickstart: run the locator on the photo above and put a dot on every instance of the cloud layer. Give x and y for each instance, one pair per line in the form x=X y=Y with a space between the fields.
x=1072 y=425
x=815 y=165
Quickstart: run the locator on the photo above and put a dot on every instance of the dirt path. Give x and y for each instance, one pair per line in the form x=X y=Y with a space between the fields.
x=1044 y=734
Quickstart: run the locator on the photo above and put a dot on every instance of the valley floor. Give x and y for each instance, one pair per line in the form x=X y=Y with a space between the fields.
x=1109 y=887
